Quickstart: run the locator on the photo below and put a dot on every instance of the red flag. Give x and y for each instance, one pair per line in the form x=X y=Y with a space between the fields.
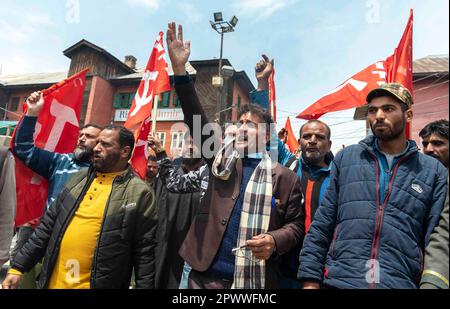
x=401 y=70
x=272 y=96
x=140 y=153
x=56 y=131
x=155 y=81
x=353 y=92
x=291 y=142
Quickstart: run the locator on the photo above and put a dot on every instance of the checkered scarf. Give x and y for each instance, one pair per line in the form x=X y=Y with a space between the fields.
x=255 y=217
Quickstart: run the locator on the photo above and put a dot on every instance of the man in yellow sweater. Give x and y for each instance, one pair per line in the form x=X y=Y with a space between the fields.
x=101 y=226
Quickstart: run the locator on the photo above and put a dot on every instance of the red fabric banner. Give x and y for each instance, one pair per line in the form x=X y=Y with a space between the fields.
x=291 y=142
x=56 y=131
x=155 y=81
x=140 y=154
x=272 y=96
x=353 y=92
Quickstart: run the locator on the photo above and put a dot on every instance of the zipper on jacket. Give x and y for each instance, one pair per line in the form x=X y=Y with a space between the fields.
x=380 y=214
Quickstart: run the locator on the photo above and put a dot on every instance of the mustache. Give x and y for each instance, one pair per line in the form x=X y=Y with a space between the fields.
x=433 y=155
x=380 y=123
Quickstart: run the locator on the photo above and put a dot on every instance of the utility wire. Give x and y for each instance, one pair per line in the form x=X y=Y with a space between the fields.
x=10 y=111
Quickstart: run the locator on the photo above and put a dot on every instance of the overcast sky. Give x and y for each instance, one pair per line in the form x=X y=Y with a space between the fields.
x=316 y=46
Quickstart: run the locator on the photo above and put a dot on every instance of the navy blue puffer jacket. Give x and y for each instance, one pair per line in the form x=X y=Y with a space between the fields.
x=357 y=241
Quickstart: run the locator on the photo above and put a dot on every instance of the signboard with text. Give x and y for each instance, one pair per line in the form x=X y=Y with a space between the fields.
x=165 y=114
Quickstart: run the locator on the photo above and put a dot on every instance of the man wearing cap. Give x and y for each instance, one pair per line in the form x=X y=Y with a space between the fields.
x=383 y=202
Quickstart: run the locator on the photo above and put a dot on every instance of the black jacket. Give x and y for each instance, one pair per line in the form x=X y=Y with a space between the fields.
x=126 y=239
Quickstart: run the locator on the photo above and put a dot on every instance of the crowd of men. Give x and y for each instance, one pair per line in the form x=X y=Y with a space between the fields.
x=375 y=215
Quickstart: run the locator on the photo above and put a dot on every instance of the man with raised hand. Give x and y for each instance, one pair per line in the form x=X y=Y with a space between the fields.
x=57 y=168
x=252 y=212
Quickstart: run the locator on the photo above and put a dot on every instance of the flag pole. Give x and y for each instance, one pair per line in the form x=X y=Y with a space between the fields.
x=154 y=112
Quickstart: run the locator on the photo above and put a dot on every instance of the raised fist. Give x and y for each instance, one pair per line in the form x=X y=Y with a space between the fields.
x=35 y=103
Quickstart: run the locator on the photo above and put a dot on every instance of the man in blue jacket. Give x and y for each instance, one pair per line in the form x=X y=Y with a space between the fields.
x=55 y=167
x=383 y=202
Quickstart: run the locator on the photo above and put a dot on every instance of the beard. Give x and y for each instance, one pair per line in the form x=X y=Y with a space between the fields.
x=313 y=158
x=151 y=175
x=392 y=133
x=83 y=154
x=107 y=163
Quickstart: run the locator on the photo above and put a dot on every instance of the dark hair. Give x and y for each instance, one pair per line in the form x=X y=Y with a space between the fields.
x=283 y=131
x=152 y=158
x=317 y=121
x=261 y=112
x=126 y=138
x=439 y=127
x=91 y=125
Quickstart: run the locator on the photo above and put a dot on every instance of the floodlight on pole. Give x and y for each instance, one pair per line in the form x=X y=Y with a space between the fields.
x=218 y=17
x=234 y=21
x=221 y=27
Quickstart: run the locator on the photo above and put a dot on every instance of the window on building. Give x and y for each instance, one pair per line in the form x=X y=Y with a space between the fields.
x=123 y=100
x=131 y=99
x=239 y=103
x=162 y=138
x=14 y=104
x=3 y=108
x=176 y=101
x=177 y=142
x=165 y=99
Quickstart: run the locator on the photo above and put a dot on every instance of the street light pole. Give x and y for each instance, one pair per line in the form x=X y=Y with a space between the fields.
x=220 y=88
x=221 y=27
x=221 y=53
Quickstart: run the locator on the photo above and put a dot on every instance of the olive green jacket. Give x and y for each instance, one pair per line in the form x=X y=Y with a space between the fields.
x=126 y=240
x=435 y=274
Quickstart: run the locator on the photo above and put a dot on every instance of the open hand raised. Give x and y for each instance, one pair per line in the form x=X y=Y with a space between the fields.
x=179 y=51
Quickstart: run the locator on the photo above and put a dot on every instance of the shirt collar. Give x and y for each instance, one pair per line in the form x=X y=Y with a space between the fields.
x=378 y=149
x=315 y=169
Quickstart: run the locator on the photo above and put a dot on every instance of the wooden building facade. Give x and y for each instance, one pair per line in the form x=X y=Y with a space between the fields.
x=111 y=85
